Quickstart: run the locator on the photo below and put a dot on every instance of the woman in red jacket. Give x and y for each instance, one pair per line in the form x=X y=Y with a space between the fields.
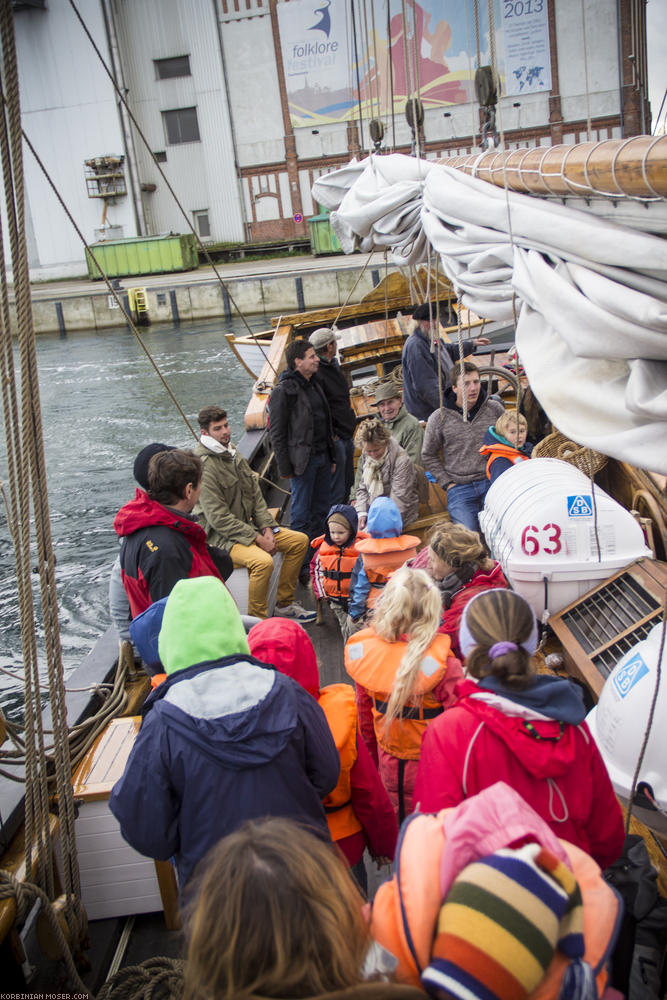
x=405 y=675
x=522 y=728
x=456 y=559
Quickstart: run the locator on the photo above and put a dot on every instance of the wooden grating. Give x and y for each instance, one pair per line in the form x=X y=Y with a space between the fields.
x=599 y=628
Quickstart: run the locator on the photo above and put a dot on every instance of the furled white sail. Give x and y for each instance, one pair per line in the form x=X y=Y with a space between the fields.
x=590 y=294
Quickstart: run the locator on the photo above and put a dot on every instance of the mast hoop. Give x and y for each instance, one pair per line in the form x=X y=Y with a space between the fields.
x=648 y=184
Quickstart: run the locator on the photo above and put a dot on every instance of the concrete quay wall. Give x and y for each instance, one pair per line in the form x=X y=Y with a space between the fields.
x=188 y=297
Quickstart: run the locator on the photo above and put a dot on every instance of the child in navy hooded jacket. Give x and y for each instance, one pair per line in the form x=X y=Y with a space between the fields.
x=380 y=555
x=223 y=739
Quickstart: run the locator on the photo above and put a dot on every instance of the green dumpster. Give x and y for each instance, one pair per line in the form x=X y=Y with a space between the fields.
x=322 y=237
x=143 y=255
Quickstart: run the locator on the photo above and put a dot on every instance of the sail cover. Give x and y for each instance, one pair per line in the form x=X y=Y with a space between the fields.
x=590 y=295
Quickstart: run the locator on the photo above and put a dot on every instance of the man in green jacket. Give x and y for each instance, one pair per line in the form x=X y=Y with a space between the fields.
x=232 y=511
x=407 y=430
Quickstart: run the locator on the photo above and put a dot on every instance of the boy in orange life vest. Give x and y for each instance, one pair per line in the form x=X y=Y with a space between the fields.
x=506 y=444
x=335 y=556
x=358 y=810
x=379 y=556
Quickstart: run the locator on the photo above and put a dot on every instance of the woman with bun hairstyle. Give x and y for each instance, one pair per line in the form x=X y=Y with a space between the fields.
x=526 y=729
x=405 y=675
x=276 y=914
x=456 y=559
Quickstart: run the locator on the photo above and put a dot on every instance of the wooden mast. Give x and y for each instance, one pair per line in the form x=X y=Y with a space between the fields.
x=634 y=167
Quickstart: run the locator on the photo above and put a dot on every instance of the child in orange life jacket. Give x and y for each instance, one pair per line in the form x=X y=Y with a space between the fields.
x=335 y=556
x=405 y=676
x=506 y=444
x=358 y=810
x=379 y=557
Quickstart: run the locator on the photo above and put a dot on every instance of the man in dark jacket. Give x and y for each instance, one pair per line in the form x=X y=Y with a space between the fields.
x=225 y=738
x=426 y=369
x=343 y=418
x=302 y=438
x=163 y=543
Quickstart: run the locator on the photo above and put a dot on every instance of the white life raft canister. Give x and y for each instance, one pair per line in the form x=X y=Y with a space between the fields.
x=618 y=725
x=553 y=537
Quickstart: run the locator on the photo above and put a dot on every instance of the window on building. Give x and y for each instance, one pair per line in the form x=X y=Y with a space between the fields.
x=181 y=125
x=167 y=69
x=202 y=224
x=161 y=156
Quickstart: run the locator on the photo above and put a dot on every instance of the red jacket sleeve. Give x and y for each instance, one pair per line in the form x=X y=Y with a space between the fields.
x=365 y=721
x=606 y=829
x=372 y=805
x=444 y=690
x=438 y=784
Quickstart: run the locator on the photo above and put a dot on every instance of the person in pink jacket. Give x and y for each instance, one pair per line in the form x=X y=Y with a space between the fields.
x=527 y=730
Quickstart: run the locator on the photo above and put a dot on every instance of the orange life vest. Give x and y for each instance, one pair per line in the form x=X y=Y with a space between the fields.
x=382 y=557
x=337 y=565
x=373 y=662
x=338 y=703
x=405 y=909
x=498 y=450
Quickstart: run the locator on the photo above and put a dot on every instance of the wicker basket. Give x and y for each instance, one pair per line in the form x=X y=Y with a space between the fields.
x=557 y=445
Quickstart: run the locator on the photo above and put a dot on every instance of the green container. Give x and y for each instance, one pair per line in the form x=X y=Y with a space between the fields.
x=143 y=255
x=322 y=237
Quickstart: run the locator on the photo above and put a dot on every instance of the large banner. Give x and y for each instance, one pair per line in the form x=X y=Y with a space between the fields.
x=343 y=58
x=526 y=40
x=317 y=62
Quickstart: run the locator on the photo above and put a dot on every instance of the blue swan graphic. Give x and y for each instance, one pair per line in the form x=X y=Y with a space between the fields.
x=324 y=23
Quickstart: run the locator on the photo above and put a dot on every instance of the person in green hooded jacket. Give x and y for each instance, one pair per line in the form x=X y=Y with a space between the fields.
x=225 y=738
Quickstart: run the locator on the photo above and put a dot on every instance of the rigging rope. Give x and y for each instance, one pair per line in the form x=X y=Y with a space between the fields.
x=391 y=79
x=351 y=292
x=112 y=290
x=28 y=468
x=143 y=138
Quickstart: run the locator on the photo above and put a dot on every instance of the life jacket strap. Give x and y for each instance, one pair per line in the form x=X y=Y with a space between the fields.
x=408 y=711
x=334 y=809
x=335 y=574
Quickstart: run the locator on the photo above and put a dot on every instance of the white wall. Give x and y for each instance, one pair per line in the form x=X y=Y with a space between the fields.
x=588 y=76
x=69 y=114
x=254 y=94
x=202 y=174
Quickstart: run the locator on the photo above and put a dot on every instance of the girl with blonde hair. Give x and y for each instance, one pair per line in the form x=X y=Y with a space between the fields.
x=456 y=560
x=405 y=675
x=512 y=725
x=277 y=915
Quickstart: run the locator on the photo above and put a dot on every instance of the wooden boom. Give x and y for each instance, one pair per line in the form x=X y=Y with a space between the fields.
x=634 y=168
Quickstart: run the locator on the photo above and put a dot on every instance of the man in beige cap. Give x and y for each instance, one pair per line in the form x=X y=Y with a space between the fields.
x=403 y=426
x=337 y=391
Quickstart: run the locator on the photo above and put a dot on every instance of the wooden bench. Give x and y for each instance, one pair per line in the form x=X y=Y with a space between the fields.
x=115 y=879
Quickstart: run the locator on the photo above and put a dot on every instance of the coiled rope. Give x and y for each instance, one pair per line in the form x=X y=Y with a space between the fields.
x=156 y=979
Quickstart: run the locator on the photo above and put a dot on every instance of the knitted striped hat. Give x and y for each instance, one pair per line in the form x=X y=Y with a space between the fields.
x=502 y=921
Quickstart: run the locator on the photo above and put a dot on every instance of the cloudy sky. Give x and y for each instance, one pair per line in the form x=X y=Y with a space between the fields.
x=656 y=18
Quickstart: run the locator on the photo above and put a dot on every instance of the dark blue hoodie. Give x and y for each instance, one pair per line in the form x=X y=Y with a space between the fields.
x=222 y=741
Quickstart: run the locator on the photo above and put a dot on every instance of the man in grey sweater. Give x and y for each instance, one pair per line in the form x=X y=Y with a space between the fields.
x=452 y=443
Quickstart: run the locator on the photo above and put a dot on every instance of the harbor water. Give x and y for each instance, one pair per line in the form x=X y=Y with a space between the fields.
x=101 y=403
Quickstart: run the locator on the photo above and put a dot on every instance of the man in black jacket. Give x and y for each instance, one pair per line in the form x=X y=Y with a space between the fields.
x=302 y=438
x=343 y=418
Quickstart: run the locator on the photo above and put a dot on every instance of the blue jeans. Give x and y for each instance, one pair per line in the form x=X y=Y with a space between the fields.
x=465 y=500
x=311 y=496
x=343 y=478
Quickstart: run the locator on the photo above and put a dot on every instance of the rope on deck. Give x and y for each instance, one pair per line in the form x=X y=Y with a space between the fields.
x=158 y=978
